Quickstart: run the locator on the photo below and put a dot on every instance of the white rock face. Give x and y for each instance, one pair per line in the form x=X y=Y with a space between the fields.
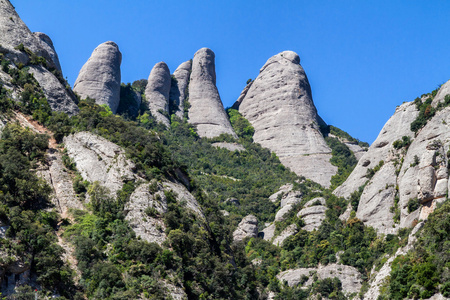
x=229 y=146
x=157 y=92
x=100 y=77
x=14 y=32
x=290 y=230
x=357 y=150
x=206 y=112
x=97 y=159
x=313 y=215
x=268 y=232
x=395 y=128
x=349 y=276
x=47 y=44
x=64 y=197
x=279 y=106
x=59 y=98
x=179 y=87
x=248 y=227
x=377 y=199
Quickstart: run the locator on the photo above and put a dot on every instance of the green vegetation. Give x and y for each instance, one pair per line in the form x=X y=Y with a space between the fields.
x=345 y=136
x=424 y=271
x=371 y=172
x=426 y=110
x=342 y=158
x=403 y=143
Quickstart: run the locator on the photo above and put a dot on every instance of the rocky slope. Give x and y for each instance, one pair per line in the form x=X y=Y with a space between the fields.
x=206 y=111
x=99 y=78
x=13 y=34
x=279 y=106
x=401 y=174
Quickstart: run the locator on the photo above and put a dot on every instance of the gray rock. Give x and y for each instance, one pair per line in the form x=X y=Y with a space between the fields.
x=97 y=159
x=279 y=106
x=444 y=90
x=268 y=232
x=316 y=201
x=290 y=230
x=229 y=146
x=14 y=32
x=157 y=92
x=357 y=150
x=179 y=88
x=100 y=77
x=64 y=197
x=58 y=96
x=206 y=111
x=47 y=44
x=395 y=128
x=248 y=227
x=313 y=216
x=349 y=276
x=242 y=95
x=377 y=199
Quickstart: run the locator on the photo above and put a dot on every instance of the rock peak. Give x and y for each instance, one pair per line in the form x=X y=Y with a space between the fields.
x=100 y=77
x=206 y=112
x=157 y=92
x=279 y=105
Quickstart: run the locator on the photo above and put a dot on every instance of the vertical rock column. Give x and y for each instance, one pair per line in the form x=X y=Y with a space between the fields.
x=179 y=88
x=157 y=92
x=206 y=111
x=99 y=78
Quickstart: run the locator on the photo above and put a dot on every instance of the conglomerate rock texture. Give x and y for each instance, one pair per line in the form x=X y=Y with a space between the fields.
x=279 y=106
x=206 y=111
x=100 y=77
x=157 y=92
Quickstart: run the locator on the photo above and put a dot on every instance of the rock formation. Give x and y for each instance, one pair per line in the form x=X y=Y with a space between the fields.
x=97 y=159
x=248 y=227
x=179 y=88
x=157 y=92
x=279 y=106
x=14 y=32
x=99 y=78
x=313 y=214
x=206 y=111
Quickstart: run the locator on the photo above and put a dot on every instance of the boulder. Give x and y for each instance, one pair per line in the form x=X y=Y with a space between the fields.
x=248 y=227
x=279 y=106
x=206 y=110
x=100 y=78
x=157 y=92
x=179 y=88
x=312 y=215
x=268 y=232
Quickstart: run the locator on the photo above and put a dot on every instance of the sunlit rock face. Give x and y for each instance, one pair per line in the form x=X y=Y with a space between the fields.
x=279 y=105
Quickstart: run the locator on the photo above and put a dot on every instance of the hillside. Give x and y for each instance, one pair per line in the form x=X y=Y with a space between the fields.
x=153 y=190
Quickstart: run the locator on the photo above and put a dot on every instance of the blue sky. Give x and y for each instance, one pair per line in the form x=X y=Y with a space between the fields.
x=362 y=58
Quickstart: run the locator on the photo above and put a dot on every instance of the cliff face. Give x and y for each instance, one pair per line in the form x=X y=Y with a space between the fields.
x=407 y=167
x=179 y=88
x=99 y=78
x=13 y=33
x=206 y=111
x=279 y=106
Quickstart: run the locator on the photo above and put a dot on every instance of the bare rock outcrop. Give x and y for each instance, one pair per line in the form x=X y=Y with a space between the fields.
x=288 y=198
x=279 y=106
x=349 y=276
x=157 y=92
x=14 y=32
x=100 y=78
x=179 y=88
x=97 y=159
x=229 y=146
x=248 y=227
x=313 y=213
x=290 y=230
x=206 y=111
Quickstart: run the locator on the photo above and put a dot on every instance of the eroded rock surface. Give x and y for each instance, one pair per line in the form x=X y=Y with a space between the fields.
x=290 y=230
x=47 y=44
x=248 y=227
x=206 y=111
x=349 y=276
x=97 y=159
x=179 y=87
x=279 y=106
x=157 y=92
x=313 y=213
x=229 y=146
x=100 y=77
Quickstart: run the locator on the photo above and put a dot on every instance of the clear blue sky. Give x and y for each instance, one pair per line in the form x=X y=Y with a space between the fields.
x=362 y=58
